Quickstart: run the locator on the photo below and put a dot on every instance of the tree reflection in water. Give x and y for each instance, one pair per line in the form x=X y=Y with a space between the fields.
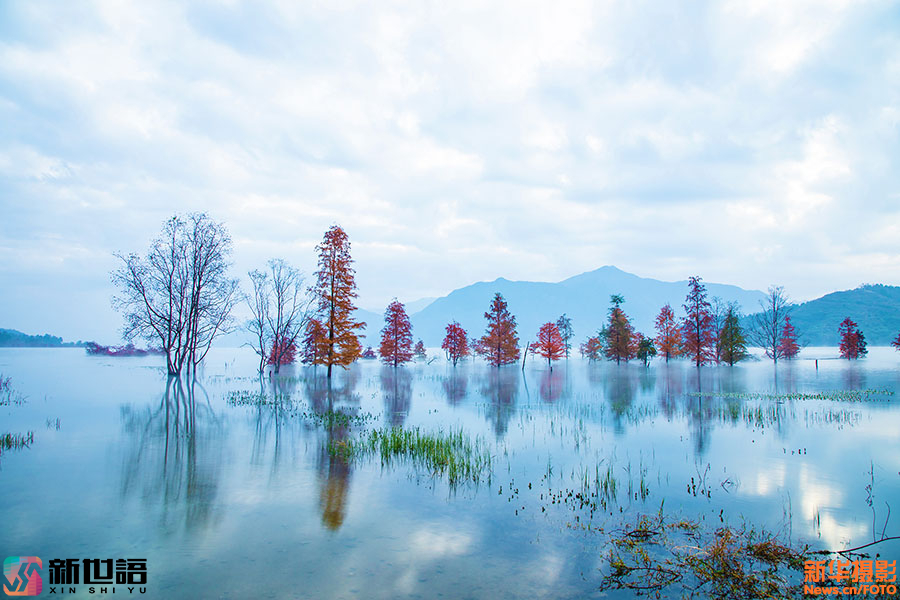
x=173 y=457
x=396 y=389
x=499 y=388
x=620 y=391
x=553 y=384
x=327 y=396
x=456 y=386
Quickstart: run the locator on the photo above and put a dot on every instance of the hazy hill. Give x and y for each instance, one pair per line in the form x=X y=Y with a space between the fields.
x=11 y=338
x=584 y=298
x=875 y=308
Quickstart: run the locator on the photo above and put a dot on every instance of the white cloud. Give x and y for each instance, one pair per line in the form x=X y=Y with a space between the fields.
x=457 y=142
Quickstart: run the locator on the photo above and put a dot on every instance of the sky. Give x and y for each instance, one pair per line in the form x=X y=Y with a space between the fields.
x=749 y=142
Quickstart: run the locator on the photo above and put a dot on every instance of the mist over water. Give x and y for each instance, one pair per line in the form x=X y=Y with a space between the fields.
x=230 y=497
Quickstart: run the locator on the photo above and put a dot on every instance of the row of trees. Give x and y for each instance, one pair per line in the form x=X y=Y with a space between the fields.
x=179 y=295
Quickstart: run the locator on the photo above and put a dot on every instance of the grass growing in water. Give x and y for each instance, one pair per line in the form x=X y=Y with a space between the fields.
x=16 y=441
x=835 y=395
x=655 y=556
x=453 y=453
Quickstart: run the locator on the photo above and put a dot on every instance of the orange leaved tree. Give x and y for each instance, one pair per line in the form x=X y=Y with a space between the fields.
x=396 y=336
x=315 y=343
x=668 y=333
x=500 y=344
x=620 y=338
x=336 y=289
x=550 y=343
x=455 y=343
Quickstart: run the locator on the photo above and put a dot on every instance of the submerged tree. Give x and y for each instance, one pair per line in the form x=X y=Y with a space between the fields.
x=592 y=348
x=620 y=334
x=280 y=307
x=732 y=345
x=282 y=353
x=788 y=347
x=420 y=351
x=335 y=290
x=769 y=323
x=179 y=296
x=315 y=343
x=896 y=342
x=455 y=343
x=564 y=325
x=396 y=336
x=697 y=325
x=668 y=333
x=550 y=344
x=853 y=344
x=500 y=344
x=645 y=349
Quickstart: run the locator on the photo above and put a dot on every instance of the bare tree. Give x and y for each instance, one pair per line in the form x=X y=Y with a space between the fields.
x=259 y=309
x=280 y=308
x=768 y=325
x=179 y=295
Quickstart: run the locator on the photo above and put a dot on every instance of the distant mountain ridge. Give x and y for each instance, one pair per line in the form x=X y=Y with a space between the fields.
x=12 y=338
x=875 y=308
x=583 y=298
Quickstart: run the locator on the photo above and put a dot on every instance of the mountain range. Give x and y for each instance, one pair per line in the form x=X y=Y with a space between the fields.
x=584 y=299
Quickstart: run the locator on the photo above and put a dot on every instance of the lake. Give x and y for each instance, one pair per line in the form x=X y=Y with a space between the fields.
x=231 y=487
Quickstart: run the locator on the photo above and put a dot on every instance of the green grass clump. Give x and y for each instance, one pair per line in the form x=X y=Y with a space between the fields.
x=454 y=453
x=245 y=398
x=869 y=395
x=16 y=441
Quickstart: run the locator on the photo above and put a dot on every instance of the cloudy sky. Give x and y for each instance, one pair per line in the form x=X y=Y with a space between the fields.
x=749 y=142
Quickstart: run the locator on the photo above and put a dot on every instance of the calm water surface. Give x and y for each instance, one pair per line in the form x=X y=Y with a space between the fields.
x=244 y=501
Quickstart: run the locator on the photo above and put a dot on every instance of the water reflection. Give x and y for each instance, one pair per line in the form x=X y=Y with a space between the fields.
x=271 y=418
x=455 y=386
x=173 y=457
x=329 y=396
x=499 y=388
x=854 y=376
x=553 y=384
x=620 y=390
x=396 y=389
x=670 y=391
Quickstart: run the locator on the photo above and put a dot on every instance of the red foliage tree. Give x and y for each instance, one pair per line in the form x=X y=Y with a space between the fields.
x=314 y=343
x=282 y=353
x=419 y=350
x=896 y=342
x=336 y=289
x=620 y=338
x=550 y=343
x=788 y=347
x=698 y=331
x=850 y=344
x=455 y=343
x=592 y=348
x=500 y=344
x=668 y=333
x=396 y=336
